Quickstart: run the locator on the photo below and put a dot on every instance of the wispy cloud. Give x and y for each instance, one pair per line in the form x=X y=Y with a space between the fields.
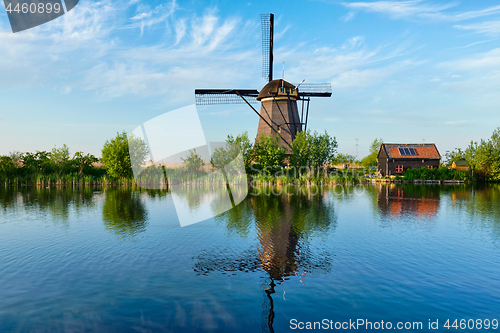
x=147 y=17
x=348 y=17
x=491 y=28
x=420 y=9
x=456 y=122
x=486 y=61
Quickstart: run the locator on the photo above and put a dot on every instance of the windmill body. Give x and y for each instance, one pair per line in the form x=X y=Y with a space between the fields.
x=279 y=112
x=279 y=109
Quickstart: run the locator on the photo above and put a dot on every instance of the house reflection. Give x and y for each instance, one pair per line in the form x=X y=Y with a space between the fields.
x=396 y=200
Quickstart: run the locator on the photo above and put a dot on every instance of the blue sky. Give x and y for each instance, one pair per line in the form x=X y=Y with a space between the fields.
x=404 y=71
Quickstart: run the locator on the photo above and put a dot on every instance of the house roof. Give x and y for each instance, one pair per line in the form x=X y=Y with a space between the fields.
x=461 y=163
x=422 y=150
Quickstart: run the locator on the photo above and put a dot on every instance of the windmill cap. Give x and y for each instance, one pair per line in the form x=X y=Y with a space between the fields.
x=272 y=88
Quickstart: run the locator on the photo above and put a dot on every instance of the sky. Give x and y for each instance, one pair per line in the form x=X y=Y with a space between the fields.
x=404 y=71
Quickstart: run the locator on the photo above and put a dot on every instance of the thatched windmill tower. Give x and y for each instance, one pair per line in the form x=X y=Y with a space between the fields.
x=279 y=113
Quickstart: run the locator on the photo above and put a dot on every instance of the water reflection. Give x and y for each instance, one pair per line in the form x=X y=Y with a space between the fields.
x=202 y=201
x=283 y=224
x=123 y=209
x=395 y=200
x=124 y=212
x=56 y=201
x=481 y=204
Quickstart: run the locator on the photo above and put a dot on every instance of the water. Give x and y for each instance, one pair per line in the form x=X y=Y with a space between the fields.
x=117 y=260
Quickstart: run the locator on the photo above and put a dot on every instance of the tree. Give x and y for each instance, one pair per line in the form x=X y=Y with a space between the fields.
x=244 y=145
x=59 y=157
x=138 y=151
x=268 y=153
x=116 y=155
x=484 y=157
x=16 y=158
x=371 y=158
x=37 y=163
x=194 y=162
x=343 y=159
x=6 y=166
x=453 y=156
x=312 y=150
x=83 y=162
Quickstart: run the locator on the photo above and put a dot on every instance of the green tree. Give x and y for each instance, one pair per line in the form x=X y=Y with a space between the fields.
x=453 y=156
x=193 y=162
x=59 y=157
x=343 y=159
x=245 y=146
x=138 y=150
x=116 y=155
x=312 y=150
x=268 y=153
x=371 y=158
x=82 y=162
x=6 y=167
x=37 y=163
x=484 y=157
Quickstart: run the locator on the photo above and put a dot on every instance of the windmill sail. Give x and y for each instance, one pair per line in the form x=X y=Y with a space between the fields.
x=315 y=90
x=267 y=21
x=224 y=96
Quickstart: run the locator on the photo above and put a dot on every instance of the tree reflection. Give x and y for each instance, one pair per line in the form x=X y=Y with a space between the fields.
x=56 y=201
x=123 y=212
x=481 y=204
x=283 y=223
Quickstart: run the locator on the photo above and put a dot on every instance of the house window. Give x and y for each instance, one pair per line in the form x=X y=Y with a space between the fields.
x=429 y=167
x=399 y=168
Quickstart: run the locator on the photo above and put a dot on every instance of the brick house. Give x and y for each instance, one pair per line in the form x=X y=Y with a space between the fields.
x=395 y=158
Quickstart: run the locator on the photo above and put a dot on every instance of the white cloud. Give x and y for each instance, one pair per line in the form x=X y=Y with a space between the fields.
x=491 y=28
x=487 y=61
x=399 y=9
x=420 y=9
x=455 y=122
x=348 y=17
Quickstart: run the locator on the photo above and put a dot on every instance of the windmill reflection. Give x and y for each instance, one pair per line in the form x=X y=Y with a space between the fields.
x=283 y=224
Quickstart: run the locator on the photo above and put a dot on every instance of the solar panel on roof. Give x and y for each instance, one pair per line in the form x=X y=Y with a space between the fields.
x=407 y=151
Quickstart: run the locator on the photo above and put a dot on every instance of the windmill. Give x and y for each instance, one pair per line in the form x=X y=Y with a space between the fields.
x=279 y=113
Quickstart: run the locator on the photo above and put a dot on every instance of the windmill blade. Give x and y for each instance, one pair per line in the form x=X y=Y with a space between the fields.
x=224 y=96
x=315 y=90
x=267 y=21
